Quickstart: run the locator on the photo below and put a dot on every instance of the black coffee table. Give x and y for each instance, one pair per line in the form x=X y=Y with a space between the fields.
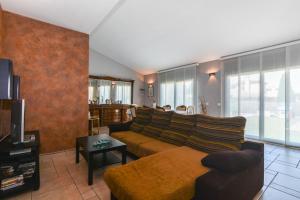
x=98 y=157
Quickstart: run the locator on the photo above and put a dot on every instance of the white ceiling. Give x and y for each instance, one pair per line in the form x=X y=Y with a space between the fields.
x=79 y=15
x=150 y=35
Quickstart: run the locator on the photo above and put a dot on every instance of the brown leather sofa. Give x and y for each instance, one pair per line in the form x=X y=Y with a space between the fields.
x=171 y=147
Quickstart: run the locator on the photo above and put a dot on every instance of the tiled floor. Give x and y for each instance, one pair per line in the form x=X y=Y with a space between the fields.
x=62 y=179
x=282 y=174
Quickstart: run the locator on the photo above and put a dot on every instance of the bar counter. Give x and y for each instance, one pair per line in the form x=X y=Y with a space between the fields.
x=110 y=113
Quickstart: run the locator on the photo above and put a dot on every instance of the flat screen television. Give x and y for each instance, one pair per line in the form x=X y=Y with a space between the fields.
x=5 y=118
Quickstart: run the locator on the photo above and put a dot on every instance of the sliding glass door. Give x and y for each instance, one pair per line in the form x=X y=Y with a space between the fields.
x=249 y=102
x=232 y=93
x=294 y=106
x=243 y=99
x=274 y=106
x=242 y=91
x=264 y=88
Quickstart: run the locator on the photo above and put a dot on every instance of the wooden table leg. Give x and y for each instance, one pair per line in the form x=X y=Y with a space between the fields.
x=90 y=168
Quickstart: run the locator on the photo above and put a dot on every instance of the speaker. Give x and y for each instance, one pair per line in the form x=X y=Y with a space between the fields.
x=6 y=79
x=17 y=121
x=16 y=87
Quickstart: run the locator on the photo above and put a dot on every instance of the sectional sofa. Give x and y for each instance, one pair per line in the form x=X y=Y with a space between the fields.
x=170 y=148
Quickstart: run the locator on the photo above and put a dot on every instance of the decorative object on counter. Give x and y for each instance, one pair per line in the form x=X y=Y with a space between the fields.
x=203 y=105
x=108 y=101
x=118 y=102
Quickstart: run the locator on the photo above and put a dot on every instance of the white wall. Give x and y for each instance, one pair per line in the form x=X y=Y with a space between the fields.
x=210 y=87
x=153 y=79
x=100 y=65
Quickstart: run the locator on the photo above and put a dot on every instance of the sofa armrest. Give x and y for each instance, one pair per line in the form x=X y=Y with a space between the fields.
x=217 y=185
x=119 y=127
x=253 y=146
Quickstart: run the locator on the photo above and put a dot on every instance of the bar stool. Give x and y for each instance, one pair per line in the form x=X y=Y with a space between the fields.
x=94 y=121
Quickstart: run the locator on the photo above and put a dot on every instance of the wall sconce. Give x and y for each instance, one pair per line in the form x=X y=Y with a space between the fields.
x=213 y=74
x=150 y=90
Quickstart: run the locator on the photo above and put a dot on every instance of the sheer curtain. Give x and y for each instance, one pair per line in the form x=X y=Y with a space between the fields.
x=264 y=88
x=190 y=86
x=249 y=92
x=93 y=94
x=293 y=95
x=273 y=94
x=167 y=88
x=231 y=83
x=123 y=92
x=177 y=87
x=104 y=90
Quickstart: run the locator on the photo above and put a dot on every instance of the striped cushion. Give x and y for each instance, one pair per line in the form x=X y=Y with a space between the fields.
x=208 y=146
x=180 y=129
x=143 y=118
x=215 y=134
x=160 y=121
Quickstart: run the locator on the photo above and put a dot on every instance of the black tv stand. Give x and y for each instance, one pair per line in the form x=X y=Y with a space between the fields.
x=24 y=159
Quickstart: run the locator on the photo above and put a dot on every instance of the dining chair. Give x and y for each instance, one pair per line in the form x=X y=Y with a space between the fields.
x=167 y=107
x=190 y=110
x=181 y=108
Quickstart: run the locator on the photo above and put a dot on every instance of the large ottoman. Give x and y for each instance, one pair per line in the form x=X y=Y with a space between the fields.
x=168 y=175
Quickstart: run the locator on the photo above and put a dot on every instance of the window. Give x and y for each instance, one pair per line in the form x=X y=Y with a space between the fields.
x=294 y=111
x=274 y=105
x=93 y=94
x=123 y=92
x=101 y=90
x=177 y=88
x=104 y=87
x=264 y=88
x=244 y=90
x=249 y=102
x=232 y=95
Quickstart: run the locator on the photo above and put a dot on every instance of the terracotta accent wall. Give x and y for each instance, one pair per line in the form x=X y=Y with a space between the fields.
x=53 y=65
x=1 y=30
